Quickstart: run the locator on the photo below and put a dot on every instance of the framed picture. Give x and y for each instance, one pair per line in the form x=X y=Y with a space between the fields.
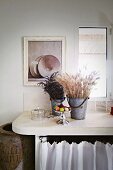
x=42 y=57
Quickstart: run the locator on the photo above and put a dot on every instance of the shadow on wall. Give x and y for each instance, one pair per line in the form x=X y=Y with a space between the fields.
x=34 y=99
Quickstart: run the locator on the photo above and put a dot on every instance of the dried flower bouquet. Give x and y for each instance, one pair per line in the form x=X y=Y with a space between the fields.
x=53 y=87
x=79 y=85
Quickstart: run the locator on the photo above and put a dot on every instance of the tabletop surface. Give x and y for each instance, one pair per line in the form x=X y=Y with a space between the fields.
x=93 y=124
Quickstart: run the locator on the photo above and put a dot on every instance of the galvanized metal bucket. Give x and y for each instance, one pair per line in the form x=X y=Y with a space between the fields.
x=78 y=107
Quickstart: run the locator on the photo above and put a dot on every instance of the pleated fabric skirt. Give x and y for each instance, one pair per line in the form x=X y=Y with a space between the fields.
x=82 y=156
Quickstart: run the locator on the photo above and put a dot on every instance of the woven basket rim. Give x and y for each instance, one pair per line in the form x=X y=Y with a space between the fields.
x=6 y=132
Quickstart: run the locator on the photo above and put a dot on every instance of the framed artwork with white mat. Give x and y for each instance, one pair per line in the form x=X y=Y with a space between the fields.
x=42 y=57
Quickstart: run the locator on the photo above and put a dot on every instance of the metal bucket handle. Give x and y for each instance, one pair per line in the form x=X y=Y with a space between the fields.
x=80 y=104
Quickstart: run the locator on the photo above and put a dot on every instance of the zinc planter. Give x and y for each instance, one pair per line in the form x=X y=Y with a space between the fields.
x=78 y=108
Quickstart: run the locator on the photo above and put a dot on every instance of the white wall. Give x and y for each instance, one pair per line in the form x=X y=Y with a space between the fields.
x=19 y=18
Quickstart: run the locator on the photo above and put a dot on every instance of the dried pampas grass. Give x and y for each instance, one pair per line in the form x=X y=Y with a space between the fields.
x=79 y=85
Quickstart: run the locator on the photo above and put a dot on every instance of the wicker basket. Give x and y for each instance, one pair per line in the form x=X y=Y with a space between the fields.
x=16 y=151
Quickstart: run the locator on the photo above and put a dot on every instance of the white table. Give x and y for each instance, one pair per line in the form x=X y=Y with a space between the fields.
x=94 y=124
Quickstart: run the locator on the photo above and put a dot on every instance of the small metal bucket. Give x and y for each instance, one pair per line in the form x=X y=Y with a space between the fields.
x=78 y=107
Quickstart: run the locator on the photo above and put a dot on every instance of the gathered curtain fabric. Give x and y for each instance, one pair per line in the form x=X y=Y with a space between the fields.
x=82 y=156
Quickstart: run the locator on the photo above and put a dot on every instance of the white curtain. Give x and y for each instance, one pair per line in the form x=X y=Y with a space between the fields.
x=82 y=156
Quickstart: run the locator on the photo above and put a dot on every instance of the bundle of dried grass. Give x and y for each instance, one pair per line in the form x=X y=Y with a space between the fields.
x=79 y=85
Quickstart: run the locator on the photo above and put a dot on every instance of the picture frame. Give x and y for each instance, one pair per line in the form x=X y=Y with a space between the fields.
x=42 y=57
